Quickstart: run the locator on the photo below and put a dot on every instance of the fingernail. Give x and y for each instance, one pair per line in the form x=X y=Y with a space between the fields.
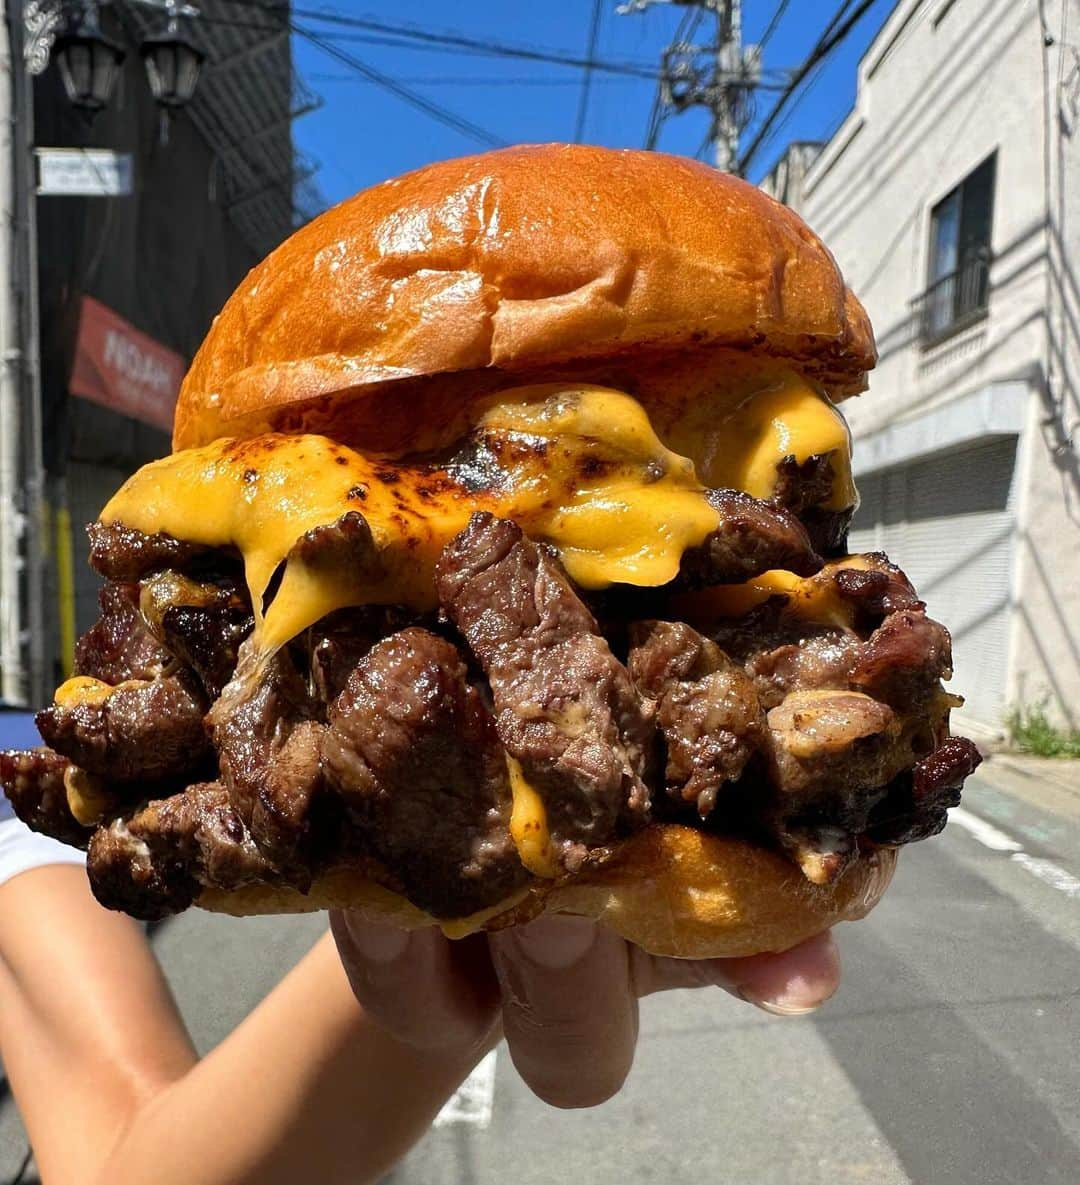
x=555 y=943
x=778 y=1007
x=375 y=942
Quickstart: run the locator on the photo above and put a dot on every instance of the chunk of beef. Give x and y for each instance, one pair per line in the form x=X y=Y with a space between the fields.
x=141 y=732
x=33 y=780
x=706 y=708
x=877 y=590
x=917 y=803
x=565 y=707
x=783 y=652
x=753 y=537
x=904 y=659
x=345 y=545
x=412 y=751
x=269 y=747
x=334 y=645
x=121 y=553
x=202 y=622
x=118 y=646
x=806 y=488
x=156 y=861
x=802 y=484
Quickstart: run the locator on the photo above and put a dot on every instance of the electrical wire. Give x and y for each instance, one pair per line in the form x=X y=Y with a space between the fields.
x=449 y=40
x=841 y=24
x=770 y=28
x=473 y=80
x=444 y=116
x=586 y=78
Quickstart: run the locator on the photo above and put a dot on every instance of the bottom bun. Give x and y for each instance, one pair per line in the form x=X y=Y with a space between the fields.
x=671 y=890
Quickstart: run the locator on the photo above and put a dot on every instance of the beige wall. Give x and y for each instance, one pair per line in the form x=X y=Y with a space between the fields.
x=946 y=83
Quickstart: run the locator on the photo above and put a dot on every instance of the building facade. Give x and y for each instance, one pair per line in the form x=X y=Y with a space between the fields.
x=951 y=198
x=128 y=283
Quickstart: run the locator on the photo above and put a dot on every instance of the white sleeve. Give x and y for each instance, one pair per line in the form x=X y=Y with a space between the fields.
x=22 y=849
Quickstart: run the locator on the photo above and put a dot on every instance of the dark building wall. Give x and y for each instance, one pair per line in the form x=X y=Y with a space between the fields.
x=165 y=258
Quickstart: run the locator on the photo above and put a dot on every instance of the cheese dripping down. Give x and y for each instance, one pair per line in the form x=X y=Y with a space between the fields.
x=579 y=467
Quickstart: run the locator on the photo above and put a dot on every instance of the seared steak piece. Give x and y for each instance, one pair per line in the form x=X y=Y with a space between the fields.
x=342 y=546
x=121 y=553
x=565 y=707
x=905 y=658
x=412 y=751
x=782 y=653
x=918 y=800
x=269 y=742
x=805 y=488
x=202 y=623
x=33 y=780
x=333 y=646
x=877 y=590
x=155 y=862
x=753 y=537
x=706 y=708
x=119 y=646
x=141 y=732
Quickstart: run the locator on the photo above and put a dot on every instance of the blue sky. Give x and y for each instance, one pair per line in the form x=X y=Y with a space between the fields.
x=363 y=134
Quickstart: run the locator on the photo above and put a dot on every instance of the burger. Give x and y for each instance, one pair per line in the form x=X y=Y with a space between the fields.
x=500 y=568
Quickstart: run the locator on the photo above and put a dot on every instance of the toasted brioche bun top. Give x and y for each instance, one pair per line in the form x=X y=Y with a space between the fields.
x=515 y=261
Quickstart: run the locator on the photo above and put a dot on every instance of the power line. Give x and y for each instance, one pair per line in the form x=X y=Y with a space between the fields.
x=444 y=116
x=450 y=39
x=586 y=78
x=473 y=80
x=834 y=33
x=770 y=28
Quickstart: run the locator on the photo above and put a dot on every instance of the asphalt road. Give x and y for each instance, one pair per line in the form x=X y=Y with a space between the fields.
x=948 y=1057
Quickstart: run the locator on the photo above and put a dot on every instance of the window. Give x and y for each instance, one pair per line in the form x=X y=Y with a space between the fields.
x=958 y=284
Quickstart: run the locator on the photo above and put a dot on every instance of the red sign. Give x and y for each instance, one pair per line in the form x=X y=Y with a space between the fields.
x=121 y=368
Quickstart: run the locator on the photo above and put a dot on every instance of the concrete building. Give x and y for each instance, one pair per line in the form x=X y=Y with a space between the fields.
x=951 y=198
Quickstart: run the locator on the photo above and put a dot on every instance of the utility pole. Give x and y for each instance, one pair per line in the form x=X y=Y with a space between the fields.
x=720 y=76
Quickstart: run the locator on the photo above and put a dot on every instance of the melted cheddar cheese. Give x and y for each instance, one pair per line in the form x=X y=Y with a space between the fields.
x=87 y=797
x=528 y=824
x=739 y=447
x=81 y=689
x=580 y=467
x=813 y=598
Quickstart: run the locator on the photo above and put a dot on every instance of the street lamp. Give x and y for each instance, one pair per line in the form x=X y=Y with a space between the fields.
x=88 y=61
x=172 y=68
x=172 y=62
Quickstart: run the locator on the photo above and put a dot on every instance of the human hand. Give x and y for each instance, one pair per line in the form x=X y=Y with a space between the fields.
x=565 y=989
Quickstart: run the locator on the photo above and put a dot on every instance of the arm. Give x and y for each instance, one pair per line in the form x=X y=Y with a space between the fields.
x=111 y=1089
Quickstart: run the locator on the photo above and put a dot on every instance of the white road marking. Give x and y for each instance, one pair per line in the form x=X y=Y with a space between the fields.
x=986 y=833
x=1048 y=871
x=473 y=1101
x=997 y=841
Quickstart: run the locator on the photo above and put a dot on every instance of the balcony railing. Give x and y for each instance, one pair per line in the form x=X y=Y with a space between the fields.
x=954 y=302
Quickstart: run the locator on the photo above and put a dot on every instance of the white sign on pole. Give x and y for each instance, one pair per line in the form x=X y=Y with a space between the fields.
x=86 y=172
